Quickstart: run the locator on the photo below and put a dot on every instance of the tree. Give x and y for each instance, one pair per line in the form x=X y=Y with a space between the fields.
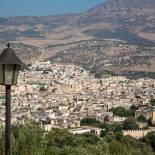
x=134 y=108
x=122 y=112
x=130 y=124
x=152 y=101
x=31 y=139
x=117 y=149
x=24 y=67
x=150 y=139
x=141 y=119
x=89 y=122
x=27 y=139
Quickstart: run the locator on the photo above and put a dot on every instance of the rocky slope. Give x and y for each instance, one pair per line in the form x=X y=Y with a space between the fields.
x=122 y=12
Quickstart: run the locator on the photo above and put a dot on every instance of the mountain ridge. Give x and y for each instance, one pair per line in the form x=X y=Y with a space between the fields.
x=119 y=11
x=132 y=21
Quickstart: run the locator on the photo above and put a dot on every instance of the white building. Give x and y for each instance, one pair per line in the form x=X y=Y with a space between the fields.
x=42 y=65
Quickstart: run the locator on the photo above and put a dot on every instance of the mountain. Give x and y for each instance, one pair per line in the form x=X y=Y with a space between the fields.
x=13 y=28
x=122 y=37
x=113 y=19
x=62 y=36
x=116 y=17
x=125 y=13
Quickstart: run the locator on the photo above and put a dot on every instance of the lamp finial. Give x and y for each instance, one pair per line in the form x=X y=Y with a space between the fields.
x=8 y=45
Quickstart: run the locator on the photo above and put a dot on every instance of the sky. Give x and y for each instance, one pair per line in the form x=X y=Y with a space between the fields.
x=44 y=7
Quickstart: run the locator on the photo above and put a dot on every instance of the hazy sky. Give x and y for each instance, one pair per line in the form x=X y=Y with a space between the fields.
x=44 y=7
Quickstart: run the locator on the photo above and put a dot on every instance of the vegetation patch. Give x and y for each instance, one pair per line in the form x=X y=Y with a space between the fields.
x=121 y=34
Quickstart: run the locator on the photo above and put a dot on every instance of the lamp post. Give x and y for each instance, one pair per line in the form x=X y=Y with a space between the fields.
x=9 y=70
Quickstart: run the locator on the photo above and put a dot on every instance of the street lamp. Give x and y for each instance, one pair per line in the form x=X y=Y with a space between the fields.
x=9 y=70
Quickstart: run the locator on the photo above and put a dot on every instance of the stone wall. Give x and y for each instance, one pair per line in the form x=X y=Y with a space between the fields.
x=137 y=133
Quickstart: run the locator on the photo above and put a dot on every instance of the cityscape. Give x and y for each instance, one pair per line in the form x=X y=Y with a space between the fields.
x=78 y=83
x=60 y=96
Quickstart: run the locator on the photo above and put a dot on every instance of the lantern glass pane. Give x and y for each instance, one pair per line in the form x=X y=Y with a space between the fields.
x=17 y=68
x=9 y=71
x=1 y=75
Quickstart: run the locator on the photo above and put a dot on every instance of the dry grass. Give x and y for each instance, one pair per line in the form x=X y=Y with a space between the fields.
x=149 y=36
x=64 y=35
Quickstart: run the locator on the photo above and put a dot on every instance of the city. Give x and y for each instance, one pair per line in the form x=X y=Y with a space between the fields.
x=77 y=77
x=61 y=95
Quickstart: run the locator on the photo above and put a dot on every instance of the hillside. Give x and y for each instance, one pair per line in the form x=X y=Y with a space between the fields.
x=126 y=13
x=136 y=17
x=131 y=21
x=27 y=53
x=112 y=55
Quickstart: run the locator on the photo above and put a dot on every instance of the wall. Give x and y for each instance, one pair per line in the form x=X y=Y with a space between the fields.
x=137 y=133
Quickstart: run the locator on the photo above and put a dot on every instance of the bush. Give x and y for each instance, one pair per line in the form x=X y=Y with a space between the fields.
x=31 y=139
x=122 y=112
x=150 y=139
x=152 y=101
x=89 y=122
x=130 y=124
x=141 y=119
